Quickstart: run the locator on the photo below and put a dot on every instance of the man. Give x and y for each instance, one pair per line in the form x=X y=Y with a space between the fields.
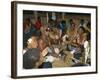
x=32 y=54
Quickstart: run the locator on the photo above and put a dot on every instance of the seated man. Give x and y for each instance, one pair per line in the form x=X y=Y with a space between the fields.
x=31 y=55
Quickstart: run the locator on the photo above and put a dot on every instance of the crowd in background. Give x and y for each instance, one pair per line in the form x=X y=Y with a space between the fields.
x=43 y=43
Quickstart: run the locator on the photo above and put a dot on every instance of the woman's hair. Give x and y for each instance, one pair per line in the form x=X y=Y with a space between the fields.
x=81 y=27
x=71 y=21
x=82 y=21
x=38 y=18
x=89 y=25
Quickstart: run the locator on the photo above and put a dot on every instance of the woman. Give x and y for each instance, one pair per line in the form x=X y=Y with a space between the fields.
x=76 y=43
x=81 y=36
x=44 y=62
x=70 y=36
x=80 y=40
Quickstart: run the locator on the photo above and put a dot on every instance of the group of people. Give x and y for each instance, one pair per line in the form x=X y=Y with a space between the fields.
x=42 y=44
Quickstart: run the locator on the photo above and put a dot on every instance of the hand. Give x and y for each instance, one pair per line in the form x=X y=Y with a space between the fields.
x=44 y=52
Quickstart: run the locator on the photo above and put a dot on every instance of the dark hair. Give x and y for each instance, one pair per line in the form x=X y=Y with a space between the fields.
x=89 y=25
x=82 y=20
x=28 y=19
x=38 y=18
x=81 y=27
x=71 y=20
x=63 y=22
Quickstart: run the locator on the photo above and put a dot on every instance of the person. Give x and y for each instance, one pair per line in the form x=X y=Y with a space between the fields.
x=84 y=41
x=38 y=23
x=51 y=23
x=32 y=54
x=62 y=25
x=27 y=31
x=54 y=36
x=71 y=34
x=86 y=49
x=88 y=31
x=26 y=25
x=44 y=60
x=80 y=40
x=76 y=43
x=41 y=44
x=88 y=27
x=81 y=35
x=82 y=23
x=69 y=24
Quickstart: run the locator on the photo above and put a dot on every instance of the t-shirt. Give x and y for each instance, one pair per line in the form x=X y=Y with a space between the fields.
x=38 y=25
x=30 y=58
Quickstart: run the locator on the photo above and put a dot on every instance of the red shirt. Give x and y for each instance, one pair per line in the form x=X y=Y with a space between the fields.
x=38 y=25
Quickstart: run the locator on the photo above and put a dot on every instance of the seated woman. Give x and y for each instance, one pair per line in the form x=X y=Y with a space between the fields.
x=75 y=42
x=80 y=41
x=44 y=61
x=54 y=36
x=70 y=36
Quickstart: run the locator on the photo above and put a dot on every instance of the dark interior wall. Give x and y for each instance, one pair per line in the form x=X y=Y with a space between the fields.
x=75 y=16
x=78 y=17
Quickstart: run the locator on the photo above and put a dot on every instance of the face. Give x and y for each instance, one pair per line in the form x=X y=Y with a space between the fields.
x=80 y=31
x=73 y=26
x=41 y=45
x=82 y=22
x=27 y=28
x=34 y=42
